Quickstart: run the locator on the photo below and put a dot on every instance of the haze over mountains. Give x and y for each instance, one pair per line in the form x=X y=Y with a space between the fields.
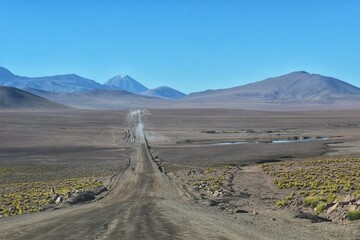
x=72 y=83
x=296 y=90
x=164 y=92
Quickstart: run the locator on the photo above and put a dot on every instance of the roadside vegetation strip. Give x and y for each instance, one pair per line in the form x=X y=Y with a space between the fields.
x=318 y=183
x=20 y=198
x=27 y=188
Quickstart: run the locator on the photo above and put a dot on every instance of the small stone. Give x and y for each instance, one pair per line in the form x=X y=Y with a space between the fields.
x=216 y=193
x=52 y=192
x=256 y=213
x=55 y=197
x=58 y=200
x=347 y=199
x=332 y=209
x=241 y=211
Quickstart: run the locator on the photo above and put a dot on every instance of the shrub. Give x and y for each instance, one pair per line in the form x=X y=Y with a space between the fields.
x=330 y=198
x=353 y=215
x=282 y=203
x=320 y=208
x=311 y=201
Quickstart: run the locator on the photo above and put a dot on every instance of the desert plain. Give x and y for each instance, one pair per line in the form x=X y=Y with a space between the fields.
x=179 y=174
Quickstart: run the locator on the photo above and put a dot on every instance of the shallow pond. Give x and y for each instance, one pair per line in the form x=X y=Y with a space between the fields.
x=273 y=141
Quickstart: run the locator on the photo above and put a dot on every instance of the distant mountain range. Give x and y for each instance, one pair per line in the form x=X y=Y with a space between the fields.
x=72 y=83
x=293 y=91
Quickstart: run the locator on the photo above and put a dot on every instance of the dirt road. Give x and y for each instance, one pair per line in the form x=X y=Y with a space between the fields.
x=145 y=204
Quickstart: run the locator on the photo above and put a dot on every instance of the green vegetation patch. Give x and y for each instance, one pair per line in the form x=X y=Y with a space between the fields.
x=353 y=215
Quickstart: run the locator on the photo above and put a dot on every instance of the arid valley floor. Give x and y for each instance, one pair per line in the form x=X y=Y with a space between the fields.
x=179 y=174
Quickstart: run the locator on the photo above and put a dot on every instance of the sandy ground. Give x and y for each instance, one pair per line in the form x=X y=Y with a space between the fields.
x=145 y=203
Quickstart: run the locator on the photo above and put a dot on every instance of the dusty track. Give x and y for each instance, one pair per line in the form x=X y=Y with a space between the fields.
x=146 y=204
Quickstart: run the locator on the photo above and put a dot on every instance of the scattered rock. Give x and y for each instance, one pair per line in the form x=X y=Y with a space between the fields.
x=241 y=211
x=68 y=194
x=81 y=197
x=216 y=202
x=256 y=213
x=332 y=209
x=52 y=192
x=346 y=199
x=58 y=199
x=216 y=193
x=55 y=197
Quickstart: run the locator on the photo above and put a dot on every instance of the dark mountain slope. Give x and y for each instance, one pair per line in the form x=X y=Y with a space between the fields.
x=13 y=98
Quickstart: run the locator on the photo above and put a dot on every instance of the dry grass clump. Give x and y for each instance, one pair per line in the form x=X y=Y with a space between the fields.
x=311 y=201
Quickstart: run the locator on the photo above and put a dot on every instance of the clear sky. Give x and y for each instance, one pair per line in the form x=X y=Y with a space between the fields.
x=191 y=45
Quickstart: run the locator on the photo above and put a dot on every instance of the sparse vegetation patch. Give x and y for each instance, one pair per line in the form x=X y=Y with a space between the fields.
x=27 y=188
x=215 y=181
x=319 y=184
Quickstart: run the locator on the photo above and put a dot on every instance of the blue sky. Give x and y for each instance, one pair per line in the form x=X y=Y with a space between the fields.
x=191 y=45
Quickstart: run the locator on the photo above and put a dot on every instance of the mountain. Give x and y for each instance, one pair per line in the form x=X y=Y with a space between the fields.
x=103 y=99
x=164 y=92
x=13 y=98
x=126 y=83
x=72 y=83
x=58 y=83
x=6 y=76
x=295 y=86
x=297 y=90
